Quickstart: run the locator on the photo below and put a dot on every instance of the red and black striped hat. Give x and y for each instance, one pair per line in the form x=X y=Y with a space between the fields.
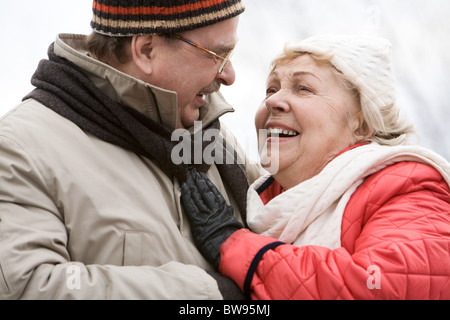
x=135 y=17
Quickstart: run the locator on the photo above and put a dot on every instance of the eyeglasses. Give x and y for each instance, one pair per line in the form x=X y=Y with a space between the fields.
x=225 y=60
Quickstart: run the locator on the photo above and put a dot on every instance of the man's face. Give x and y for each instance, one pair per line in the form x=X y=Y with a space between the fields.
x=193 y=72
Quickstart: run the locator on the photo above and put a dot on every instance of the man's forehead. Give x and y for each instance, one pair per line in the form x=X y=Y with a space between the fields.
x=222 y=35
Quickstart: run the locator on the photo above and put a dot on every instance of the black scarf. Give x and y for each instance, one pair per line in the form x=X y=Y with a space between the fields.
x=62 y=87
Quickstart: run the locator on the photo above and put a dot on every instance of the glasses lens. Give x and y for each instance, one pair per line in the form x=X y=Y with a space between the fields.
x=225 y=61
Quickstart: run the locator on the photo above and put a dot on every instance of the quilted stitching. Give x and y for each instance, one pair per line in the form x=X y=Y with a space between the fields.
x=398 y=220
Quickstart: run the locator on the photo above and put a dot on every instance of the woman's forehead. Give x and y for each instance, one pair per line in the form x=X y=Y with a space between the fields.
x=301 y=66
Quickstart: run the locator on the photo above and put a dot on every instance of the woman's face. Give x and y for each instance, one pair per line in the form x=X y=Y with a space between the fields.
x=315 y=116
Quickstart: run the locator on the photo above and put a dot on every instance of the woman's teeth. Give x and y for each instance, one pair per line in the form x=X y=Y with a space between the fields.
x=281 y=132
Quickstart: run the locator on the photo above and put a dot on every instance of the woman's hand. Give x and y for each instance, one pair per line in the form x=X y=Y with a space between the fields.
x=211 y=218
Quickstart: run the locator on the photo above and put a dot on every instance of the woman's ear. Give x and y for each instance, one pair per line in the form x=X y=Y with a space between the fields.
x=361 y=130
x=141 y=50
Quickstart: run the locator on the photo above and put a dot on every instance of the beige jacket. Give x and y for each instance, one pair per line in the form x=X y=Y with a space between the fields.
x=84 y=219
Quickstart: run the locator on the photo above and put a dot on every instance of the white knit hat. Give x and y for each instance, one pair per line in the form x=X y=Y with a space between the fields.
x=366 y=63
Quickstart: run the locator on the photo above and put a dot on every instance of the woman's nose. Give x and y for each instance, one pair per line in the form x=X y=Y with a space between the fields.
x=277 y=103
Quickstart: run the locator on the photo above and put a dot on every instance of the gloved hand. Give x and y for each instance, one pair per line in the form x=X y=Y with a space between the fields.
x=210 y=217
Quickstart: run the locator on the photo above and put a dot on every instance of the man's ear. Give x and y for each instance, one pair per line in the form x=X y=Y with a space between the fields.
x=141 y=50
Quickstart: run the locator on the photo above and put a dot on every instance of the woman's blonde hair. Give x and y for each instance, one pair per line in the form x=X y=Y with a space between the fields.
x=388 y=125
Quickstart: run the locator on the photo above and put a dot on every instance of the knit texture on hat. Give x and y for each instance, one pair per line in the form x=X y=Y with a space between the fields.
x=364 y=60
x=136 y=17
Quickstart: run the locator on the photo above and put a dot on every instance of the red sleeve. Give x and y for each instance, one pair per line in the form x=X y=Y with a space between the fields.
x=398 y=247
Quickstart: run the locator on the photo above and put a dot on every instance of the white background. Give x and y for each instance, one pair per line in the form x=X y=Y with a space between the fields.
x=419 y=31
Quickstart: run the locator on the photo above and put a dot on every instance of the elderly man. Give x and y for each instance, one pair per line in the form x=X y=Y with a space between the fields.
x=89 y=197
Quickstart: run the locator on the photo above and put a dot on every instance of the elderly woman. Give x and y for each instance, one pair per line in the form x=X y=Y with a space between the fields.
x=350 y=210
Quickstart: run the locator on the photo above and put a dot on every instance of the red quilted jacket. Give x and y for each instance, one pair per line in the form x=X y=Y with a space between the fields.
x=395 y=238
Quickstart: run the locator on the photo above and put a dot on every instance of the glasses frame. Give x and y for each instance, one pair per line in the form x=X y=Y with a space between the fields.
x=225 y=59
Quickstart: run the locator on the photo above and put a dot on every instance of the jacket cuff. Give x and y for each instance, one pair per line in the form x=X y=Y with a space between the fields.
x=241 y=254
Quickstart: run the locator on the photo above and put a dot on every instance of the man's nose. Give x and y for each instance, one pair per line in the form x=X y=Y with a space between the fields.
x=228 y=75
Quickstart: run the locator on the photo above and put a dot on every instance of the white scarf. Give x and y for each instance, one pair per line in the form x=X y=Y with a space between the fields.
x=311 y=212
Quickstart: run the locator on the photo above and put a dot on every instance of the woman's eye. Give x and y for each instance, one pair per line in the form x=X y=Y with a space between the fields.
x=270 y=91
x=304 y=89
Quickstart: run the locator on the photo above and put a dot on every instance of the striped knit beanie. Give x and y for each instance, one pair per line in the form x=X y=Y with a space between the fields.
x=137 y=17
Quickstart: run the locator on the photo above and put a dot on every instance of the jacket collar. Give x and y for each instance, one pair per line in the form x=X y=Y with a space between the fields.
x=156 y=103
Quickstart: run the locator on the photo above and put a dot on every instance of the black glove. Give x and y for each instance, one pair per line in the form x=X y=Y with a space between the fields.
x=210 y=217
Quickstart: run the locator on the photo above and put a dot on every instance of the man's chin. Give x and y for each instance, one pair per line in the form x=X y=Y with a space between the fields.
x=188 y=122
x=198 y=101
